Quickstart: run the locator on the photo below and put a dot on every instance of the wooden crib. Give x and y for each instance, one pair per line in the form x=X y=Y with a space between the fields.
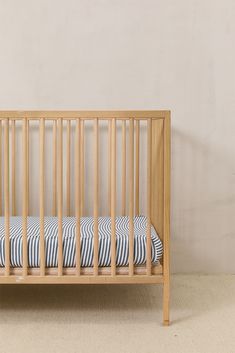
x=68 y=157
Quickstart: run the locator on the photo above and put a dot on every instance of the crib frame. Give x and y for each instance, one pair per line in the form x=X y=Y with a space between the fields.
x=158 y=193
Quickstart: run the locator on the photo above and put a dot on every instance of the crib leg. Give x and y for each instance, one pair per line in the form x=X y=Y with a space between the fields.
x=166 y=295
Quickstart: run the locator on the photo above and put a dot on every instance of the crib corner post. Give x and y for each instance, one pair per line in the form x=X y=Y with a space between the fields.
x=166 y=218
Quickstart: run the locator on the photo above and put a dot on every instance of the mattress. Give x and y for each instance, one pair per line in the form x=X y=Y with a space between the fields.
x=69 y=244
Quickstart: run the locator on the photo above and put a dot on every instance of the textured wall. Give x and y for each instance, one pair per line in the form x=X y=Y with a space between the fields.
x=134 y=54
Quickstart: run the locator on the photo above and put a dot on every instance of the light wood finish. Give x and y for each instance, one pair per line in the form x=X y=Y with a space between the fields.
x=54 y=169
x=84 y=279
x=77 y=195
x=13 y=169
x=41 y=187
x=137 y=167
x=160 y=191
x=123 y=168
x=157 y=177
x=113 y=199
x=82 y=167
x=84 y=114
x=149 y=159
x=158 y=194
x=60 y=197
x=68 y=166
x=166 y=220
x=85 y=271
x=0 y=168
x=109 y=164
x=131 y=197
x=27 y=164
x=96 y=196
x=25 y=197
x=6 y=198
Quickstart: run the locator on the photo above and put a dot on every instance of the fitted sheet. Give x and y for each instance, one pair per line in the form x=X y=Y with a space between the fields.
x=69 y=244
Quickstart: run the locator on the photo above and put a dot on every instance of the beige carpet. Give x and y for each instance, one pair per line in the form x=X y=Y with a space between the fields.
x=119 y=319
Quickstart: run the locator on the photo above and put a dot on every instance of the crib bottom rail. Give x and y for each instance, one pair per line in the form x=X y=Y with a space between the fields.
x=69 y=276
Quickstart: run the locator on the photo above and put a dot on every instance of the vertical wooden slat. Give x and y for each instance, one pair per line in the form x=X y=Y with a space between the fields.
x=41 y=187
x=13 y=198
x=109 y=164
x=149 y=160
x=27 y=165
x=6 y=198
x=60 y=197
x=0 y=167
x=137 y=166
x=157 y=182
x=96 y=196
x=113 y=199
x=68 y=167
x=124 y=167
x=131 y=197
x=25 y=196
x=77 y=195
x=54 y=156
x=166 y=221
x=82 y=163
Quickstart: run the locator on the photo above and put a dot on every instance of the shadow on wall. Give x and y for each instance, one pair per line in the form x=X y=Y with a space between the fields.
x=203 y=204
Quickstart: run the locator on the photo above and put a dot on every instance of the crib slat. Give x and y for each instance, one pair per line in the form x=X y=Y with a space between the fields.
x=25 y=196
x=41 y=176
x=6 y=198
x=0 y=167
x=54 y=156
x=68 y=166
x=166 y=216
x=131 y=197
x=149 y=156
x=113 y=200
x=96 y=195
x=137 y=166
x=82 y=163
x=13 y=168
x=109 y=164
x=27 y=164
x=60 y=197
x=123 y=167
x=77 y=195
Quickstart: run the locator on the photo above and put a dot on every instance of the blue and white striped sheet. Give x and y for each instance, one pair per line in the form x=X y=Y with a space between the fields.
x=69 y=246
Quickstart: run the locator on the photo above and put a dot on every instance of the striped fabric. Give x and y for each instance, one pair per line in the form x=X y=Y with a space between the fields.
x=69 y=231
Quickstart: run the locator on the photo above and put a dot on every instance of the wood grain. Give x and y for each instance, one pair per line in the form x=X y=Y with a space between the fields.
x=123 y=168
x=68 y=165
x=60 y=197
x=77 y=195
x=166 y=220
x=96 y=196
x=113 y=200
x=41 y=193
x=131 y=198
x=137 y=167
x=6 y=198
x=25 y=196
x=54 y=169
x=13 y=169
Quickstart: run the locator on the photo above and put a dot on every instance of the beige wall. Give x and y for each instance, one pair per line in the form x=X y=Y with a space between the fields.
x=136 y=54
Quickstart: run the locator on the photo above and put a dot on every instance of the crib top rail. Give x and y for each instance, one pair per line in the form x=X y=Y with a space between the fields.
x=82 y=114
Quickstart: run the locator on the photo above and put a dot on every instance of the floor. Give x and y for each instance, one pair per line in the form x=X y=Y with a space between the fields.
x=119 y=319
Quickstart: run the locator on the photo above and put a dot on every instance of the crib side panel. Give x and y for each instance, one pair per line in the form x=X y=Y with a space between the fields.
x=68 y=180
